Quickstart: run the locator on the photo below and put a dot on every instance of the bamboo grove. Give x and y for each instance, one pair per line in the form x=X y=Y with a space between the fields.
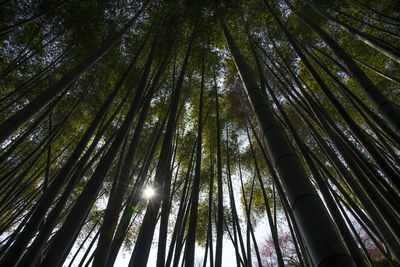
x=243 y=117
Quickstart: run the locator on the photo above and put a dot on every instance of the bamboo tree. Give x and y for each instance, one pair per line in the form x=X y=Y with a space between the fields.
x=209 y=244
x=309 y=210
x=355 y=129
x=236 y=225
x=65 y=151
x=220 y=216
x=191 y=235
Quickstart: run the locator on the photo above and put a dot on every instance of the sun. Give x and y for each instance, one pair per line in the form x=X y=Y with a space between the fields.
x=148 y=192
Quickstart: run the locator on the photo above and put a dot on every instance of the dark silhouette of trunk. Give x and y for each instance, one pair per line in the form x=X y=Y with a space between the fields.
x=375 y=215
x=15 y=144
x=379 y=29
x=393 y=137
x=52 y=219
x=134 y=198
x=28 y=48
x=346 y=148
x=381 y=136
x=361 y=136
x=166 y=204
x=350 y=158
x=14 y=122
x=382 y=15
x=235 y=220
x=113 y=209
x=220 y=208
x=356 y=130
x=35 y=80
x=48 y=160
x=14 y=188
x=239 y=260
x=23 y=58
x=308 y=210
x=210 y=214
x=380 y=73
x=181 y=236
x=191 y=235
x=363 y=225
x=88 y=249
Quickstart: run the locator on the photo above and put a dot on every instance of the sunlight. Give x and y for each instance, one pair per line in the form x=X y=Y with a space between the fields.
x=148 y=192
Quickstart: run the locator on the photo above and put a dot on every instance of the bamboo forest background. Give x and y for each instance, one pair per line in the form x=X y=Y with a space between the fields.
x=278 y=117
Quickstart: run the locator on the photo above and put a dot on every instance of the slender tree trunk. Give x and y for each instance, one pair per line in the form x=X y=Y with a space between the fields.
x=191 y=235
x=82 y=244
x=220 y=216
x=380 y=73
x=235 y=220
x=353 y=157
x=88 y=249
x=210 y=214
x=165 y=208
